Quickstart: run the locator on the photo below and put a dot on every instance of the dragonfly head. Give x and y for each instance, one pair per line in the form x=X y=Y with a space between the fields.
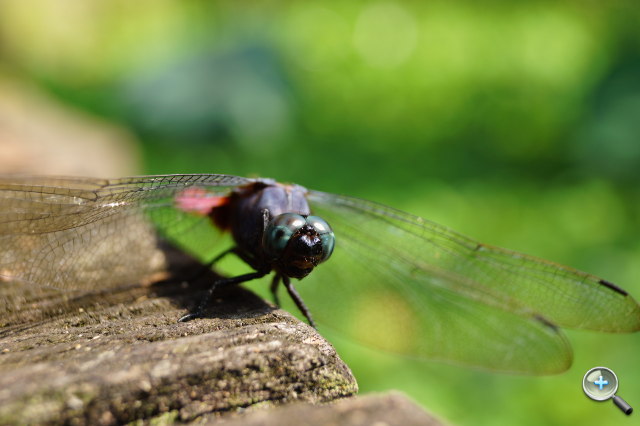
x=297 y=244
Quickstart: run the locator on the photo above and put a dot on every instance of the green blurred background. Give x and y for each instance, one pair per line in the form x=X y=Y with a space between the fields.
x=517 y=123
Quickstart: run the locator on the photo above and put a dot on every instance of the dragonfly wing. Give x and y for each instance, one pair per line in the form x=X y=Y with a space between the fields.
x=72 y=233
x=436 y=294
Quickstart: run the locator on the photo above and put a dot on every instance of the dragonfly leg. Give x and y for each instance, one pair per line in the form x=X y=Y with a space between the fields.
x=220 y=256
x=207 y=266
x=217 y=285
x=298 y=300
x=274 y=289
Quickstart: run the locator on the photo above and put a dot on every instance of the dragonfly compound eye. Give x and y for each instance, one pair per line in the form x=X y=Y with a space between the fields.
x=279 y=232
x=325 y=233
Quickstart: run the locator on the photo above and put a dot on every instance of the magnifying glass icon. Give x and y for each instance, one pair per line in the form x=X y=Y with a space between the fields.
x=600 y=384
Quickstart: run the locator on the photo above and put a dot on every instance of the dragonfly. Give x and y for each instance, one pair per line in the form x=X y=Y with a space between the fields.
x=387 y=278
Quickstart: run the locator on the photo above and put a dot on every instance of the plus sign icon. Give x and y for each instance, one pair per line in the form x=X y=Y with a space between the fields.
x=600 y=384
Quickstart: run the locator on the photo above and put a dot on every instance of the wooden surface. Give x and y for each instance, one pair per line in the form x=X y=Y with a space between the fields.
x=120 y=356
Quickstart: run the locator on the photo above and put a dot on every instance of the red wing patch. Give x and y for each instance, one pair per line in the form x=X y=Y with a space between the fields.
x=199 y=201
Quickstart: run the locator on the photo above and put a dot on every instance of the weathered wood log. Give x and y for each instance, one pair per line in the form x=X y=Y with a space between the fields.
x=119 y=356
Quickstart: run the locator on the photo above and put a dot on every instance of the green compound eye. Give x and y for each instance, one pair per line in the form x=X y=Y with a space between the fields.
x=325 y=233
x=279 y=232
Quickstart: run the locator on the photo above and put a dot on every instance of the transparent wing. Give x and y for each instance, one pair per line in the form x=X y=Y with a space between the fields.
x=75 y=233
x=407 y=285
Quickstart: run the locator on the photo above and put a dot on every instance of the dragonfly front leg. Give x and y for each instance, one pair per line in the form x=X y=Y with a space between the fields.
x=217 y=285
x=203 y=269
x=298 y=301
x=274 y=289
